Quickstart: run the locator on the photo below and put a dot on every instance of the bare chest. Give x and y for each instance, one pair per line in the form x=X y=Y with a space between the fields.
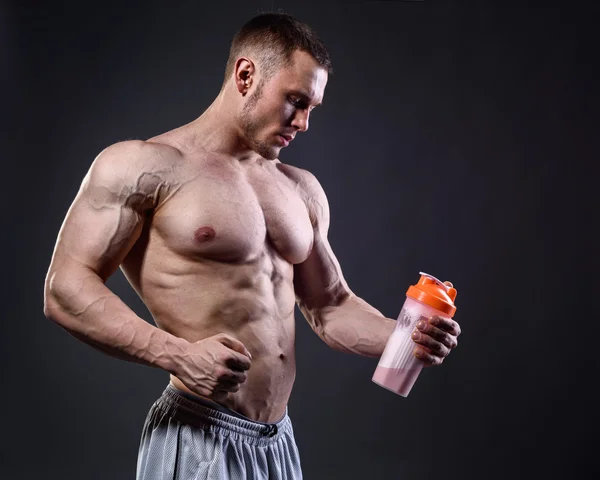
x=228 y=216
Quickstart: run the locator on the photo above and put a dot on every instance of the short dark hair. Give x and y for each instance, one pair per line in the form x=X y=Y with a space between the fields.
x=273 y=38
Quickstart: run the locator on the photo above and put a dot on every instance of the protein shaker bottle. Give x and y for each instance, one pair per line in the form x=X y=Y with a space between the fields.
x=398 y=368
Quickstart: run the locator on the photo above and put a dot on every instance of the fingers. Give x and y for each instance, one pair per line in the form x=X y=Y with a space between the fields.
x=235 y=361
x=228 y=380
x=432 y=346
x=217 y=366
x=237 y=377
x=422 y=353
x=231 y=381
x=237 y=356
x=233 y=343
x=446 y=324
x=435 y=338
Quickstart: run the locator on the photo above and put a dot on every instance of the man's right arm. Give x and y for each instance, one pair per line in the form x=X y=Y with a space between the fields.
x=103 y=223
x=101 y=226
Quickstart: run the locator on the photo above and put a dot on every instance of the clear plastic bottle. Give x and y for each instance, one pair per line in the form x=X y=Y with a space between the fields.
x=398 y=368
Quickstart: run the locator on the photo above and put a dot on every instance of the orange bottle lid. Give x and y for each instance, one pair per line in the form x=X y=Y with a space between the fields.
x=434 y=293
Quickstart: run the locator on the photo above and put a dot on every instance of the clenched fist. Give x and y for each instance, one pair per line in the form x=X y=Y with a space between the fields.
x=214 y=366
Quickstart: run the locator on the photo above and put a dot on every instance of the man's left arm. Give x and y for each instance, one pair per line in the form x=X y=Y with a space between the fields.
x=342 y=319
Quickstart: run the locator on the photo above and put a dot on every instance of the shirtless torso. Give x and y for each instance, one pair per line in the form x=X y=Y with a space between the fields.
x=216 y=256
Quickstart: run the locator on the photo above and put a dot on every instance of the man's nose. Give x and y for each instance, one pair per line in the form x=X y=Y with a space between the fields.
x=300 y=121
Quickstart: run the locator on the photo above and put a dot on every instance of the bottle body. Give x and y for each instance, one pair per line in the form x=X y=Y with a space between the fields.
x=398 y=368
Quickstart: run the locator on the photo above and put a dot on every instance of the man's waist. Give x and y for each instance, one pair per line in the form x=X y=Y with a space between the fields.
x=184 y=391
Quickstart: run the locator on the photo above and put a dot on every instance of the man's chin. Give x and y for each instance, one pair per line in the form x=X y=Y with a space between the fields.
x=273 y=156
x=269 y=153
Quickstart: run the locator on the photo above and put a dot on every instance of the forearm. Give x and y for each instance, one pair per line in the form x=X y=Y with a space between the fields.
x=87 y=309
x=352 y=326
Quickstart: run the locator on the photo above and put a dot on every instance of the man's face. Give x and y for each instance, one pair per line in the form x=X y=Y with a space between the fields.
x=281 y=106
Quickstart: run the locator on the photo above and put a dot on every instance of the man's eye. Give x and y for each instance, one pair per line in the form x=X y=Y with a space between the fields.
x=297 y=103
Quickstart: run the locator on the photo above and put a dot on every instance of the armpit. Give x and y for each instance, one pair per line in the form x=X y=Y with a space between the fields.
x=150 y=190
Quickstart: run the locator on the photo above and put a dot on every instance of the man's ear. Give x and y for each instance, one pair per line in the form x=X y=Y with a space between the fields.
x=244 y=74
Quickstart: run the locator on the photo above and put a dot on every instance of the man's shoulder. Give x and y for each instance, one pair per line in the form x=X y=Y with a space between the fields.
x=305 y=179
x=133 y=165
x=132 y=152
x=311 y=191
x=132 y=158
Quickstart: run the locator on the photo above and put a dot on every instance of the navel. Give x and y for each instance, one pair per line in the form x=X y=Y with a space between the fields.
x=204 y=234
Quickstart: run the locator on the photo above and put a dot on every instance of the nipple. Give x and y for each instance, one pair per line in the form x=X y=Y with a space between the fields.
x=204 y=234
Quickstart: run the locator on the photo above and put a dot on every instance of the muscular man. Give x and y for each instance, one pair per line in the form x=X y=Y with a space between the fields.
x=220 y=240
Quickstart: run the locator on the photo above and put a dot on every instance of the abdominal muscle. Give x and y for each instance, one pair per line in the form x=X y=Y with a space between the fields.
x=250 y=303
x=264 y=395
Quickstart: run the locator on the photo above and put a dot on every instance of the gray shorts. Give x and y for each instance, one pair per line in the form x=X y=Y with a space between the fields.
x=186 y=438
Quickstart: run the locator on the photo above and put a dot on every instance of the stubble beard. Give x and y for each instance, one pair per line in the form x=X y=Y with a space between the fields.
x=250 y=127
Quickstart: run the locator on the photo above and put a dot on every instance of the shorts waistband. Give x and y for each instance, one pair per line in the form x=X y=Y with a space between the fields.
x=196 y=412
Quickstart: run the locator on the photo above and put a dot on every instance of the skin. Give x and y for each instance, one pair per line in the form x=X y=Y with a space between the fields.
x=220 y=240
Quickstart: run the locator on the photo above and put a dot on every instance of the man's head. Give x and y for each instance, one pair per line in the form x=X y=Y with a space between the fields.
x=277 y=70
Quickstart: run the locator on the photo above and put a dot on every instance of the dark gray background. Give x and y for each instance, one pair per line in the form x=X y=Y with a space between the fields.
x=457 y=141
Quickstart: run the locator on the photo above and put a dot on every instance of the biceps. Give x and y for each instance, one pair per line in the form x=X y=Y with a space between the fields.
x=319 y=281
x=97 y=234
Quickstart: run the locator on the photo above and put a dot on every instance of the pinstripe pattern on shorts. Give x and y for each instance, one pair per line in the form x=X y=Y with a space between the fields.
x=185 y=440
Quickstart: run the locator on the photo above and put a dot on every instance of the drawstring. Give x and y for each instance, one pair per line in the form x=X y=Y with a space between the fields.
x=270 y=430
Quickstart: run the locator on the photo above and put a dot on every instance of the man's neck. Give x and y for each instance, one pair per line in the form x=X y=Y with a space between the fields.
x=216 y=131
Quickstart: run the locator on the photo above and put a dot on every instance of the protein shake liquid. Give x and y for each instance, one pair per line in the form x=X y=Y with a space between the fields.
x=398 y=368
